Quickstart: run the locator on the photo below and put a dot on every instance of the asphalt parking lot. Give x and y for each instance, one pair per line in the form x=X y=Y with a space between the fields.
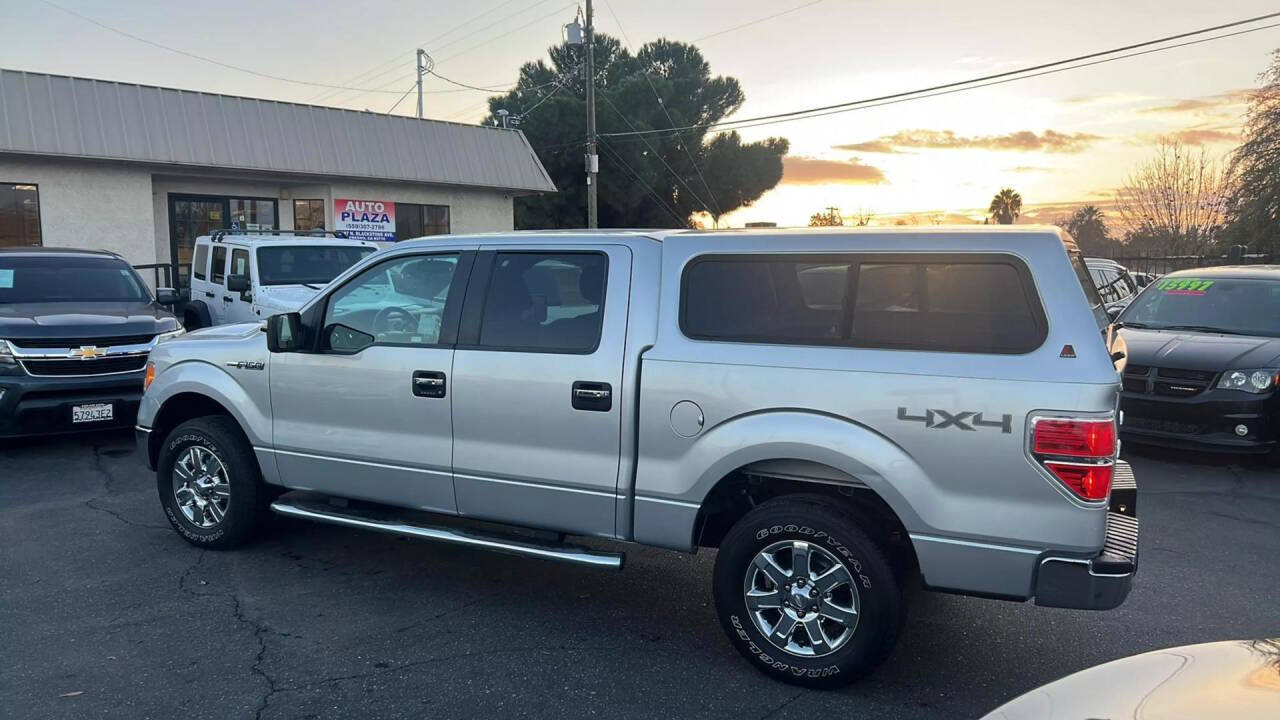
x=106 y=612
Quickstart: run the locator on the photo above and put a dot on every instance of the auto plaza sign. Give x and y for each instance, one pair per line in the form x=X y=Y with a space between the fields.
x=365 y=219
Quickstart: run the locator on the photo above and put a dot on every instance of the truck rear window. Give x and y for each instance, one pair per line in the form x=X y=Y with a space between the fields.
x=950 y=303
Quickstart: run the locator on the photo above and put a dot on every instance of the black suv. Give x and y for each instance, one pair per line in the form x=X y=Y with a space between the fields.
x=76 y=328
x=1204 y=361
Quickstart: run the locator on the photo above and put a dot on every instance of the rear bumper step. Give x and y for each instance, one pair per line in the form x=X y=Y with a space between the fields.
x=457 y=536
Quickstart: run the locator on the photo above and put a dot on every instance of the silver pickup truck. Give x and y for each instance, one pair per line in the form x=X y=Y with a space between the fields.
x=841 y=414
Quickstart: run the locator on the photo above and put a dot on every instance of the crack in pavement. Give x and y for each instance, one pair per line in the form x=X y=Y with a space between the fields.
x=108 y=485
x=781 y=707
x=260 y=630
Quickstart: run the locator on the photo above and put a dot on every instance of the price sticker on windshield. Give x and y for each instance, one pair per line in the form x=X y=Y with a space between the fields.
x=1184 y=286
x=6 y=279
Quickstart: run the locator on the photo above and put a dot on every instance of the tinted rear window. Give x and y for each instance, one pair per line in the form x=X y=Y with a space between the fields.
x=979 y=304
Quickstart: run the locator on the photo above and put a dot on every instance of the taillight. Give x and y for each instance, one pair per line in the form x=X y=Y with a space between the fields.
x=1075 y=438
x=1079 y=452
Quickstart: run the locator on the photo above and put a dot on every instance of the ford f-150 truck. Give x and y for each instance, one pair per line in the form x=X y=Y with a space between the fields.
x=841 y=414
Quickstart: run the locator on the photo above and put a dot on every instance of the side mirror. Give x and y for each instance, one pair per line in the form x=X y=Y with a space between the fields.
x=284 y=332
x=237 y=283
x=166 y=296
x=1114 y=311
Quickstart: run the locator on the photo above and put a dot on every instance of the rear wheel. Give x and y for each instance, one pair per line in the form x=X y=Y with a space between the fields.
x=805 y=594
x=209 y=483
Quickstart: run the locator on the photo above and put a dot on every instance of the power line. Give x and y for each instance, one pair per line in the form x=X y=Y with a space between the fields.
x=390 y=62
x=640 y=181
x=671 y=122
x=656 y=154
x=497 y=88
x=402 y=97
x=753 y=22
x=210 y=60
x=1002 y=82
x=852 y=104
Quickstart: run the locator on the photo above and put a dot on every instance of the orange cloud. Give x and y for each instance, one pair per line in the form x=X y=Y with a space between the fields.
x=1050 y=141
x=803 y=170
x=1206 y=136
x=1211 y=102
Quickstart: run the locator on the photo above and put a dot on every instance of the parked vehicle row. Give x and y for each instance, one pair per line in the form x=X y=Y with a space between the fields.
x=841 y=415
x=76 y=328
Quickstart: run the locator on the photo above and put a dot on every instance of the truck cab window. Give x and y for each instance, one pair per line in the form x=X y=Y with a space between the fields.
x=397 y=302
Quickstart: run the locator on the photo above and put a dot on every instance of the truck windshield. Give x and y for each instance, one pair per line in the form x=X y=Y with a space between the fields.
x=1236 y=306
x=68 y=278
x=306 y=264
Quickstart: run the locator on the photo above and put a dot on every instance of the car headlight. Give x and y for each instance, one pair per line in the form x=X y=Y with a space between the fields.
x=1257 y=380
x=6 y=354
x=171 y=334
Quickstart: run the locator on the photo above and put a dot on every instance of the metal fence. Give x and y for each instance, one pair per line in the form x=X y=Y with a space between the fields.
x=1159 y=265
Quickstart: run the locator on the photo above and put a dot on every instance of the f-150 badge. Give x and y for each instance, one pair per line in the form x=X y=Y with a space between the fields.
x=962 y=420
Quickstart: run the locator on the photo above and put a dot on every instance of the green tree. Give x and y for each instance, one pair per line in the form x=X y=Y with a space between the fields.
x=1253 y=203
x=649 y=180
x=827 y=218
x=1088 y=225
x=1006 y=206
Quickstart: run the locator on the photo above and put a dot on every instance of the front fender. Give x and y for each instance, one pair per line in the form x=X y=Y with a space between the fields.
x=250 y=409
x=675 y=475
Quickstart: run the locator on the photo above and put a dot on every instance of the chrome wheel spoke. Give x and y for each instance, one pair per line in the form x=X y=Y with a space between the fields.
x=817 y=638
x=782 y=631
x=201 y=486
x=763 y=600
x=846 y=616
x=184 y=495
x=213 y=512
x=800 y=560
x=770 y=567
x=182 y=472
x=220 y=490
x=835 y=577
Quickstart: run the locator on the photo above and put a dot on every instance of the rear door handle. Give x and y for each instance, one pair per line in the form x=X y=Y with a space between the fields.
x=428 y=383
x=593 y=396
x=208 y=294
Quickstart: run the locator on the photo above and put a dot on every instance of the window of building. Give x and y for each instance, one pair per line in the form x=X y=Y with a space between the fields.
x=951 y=303
x=200 y=263
x=545 y=302
x=218 y=273
x=418 y=220
x=252 y=214
x=308 y=215
x=397 y=302
x=19 y=215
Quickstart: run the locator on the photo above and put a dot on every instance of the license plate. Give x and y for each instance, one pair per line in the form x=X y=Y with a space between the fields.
x=92 y=413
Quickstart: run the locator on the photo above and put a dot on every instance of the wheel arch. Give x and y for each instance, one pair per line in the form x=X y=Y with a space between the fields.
x=682 y=503
x=196 y=388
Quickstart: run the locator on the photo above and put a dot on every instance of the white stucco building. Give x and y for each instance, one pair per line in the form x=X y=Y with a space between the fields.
x=143 y=170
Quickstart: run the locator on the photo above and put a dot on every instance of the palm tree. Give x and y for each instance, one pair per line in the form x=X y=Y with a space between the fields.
x=1006 y=206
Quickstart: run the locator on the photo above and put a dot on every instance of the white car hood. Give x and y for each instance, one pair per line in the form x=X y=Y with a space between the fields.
x=285 y=297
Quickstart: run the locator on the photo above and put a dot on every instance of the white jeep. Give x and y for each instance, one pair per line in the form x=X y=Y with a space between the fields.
x=240 y=277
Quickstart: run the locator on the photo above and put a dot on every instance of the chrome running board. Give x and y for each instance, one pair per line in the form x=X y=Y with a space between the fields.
x=455 y=536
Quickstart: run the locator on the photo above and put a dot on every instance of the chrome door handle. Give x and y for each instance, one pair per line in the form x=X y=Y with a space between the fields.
x=428 y=383
x=594 y=396
x=586 y=394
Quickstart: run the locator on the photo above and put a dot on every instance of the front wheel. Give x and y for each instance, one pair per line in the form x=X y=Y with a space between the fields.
x=805 y=595
x=209 y=483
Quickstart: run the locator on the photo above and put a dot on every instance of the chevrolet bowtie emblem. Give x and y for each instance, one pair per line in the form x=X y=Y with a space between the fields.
x=87 y=352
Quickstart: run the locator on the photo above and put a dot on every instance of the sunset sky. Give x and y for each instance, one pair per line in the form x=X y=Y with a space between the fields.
x=1060 y=140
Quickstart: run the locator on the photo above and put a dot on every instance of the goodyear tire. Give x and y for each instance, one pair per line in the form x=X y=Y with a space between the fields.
x=805 y=595
x=209 y=483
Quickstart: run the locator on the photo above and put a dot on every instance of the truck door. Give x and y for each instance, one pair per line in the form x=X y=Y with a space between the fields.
x=539 y=360
x=215 y=289
x=239 y=305
x=367 y=413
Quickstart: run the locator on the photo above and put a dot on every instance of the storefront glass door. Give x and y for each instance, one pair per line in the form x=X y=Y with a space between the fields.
x=191 y=216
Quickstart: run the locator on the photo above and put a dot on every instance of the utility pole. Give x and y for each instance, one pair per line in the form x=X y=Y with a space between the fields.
x=422 y=69
x=593 y=160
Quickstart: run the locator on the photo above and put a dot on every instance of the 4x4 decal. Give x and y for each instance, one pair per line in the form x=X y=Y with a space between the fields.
x=962 y=420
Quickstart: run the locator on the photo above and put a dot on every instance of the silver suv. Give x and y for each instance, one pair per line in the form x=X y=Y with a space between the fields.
x=842 y=414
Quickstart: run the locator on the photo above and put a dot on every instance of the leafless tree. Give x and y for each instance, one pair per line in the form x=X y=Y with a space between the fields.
x=1175 y=202
x=860 y=217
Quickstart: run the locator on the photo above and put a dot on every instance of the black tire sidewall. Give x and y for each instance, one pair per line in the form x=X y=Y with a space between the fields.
x=880 y=600
x=223 y=440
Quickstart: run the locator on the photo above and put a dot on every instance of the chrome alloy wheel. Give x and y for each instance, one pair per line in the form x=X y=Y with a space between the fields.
x=201 y=486
x=801 y=598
